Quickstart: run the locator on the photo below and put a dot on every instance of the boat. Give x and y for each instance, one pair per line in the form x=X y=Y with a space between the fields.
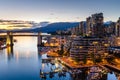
x=3 y=46
x=51 y=74
x=14 y=40
x=42 y=75
x=52 y=63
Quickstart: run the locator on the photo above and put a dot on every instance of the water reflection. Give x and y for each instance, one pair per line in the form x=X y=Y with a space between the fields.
x=26 y=47
x=91 y=73
x=111 y=76
x=39 y=54
x=20 y=63
x=10 y=52
x=55 y=71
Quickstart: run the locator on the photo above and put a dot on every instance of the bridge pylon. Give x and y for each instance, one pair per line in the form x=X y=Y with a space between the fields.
x=39 y=40
x=9 y=38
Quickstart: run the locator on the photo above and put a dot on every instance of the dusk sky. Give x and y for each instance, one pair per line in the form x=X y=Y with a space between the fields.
x=58 y=10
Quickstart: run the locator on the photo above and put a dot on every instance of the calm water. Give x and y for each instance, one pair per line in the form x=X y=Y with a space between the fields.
x=24 y=62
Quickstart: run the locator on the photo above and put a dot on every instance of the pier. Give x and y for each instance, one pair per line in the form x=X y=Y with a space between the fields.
x=69 y=65
x=9 y=35
x=103 y=67
x=47 y=60
x=112 y=67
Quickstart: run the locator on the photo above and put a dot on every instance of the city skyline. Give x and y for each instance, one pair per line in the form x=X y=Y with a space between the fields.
x=58 y=10
x=59 y=39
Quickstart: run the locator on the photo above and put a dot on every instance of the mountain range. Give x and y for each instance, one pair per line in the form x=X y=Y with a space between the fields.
x=50 y=27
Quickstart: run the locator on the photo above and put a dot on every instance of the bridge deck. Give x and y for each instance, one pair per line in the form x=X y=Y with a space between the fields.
x=36 y=35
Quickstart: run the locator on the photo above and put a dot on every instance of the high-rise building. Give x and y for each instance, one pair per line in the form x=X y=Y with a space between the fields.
x=73 y=31
x=98 y=26
x=89 y=26
x=82 y=28
x=117 y=28
x=79 y=30
x=110 y=28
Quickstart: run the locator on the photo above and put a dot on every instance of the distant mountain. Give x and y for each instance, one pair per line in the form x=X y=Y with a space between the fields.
x=56 y=26
x=42 y=24
x=47 y=27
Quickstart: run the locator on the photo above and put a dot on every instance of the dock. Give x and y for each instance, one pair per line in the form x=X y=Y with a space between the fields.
x=112 y=67
x=47 y=60
x=103 y=67
x=74 y=67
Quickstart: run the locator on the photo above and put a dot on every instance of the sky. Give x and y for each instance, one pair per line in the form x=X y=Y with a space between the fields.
x=58 y=10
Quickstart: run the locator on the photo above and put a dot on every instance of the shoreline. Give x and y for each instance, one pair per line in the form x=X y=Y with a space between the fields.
x=72 y=65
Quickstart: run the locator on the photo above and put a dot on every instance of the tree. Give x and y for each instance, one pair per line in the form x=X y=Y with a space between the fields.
x=98 y=59
x=66 y=53
x=93 y=57
x=60 y=52
x=76 y=60
x=42 y=44
x=85 y=59
x=111 y=59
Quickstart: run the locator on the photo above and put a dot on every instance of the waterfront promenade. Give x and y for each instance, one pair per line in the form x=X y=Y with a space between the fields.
x=72 y=64
x=113 y=67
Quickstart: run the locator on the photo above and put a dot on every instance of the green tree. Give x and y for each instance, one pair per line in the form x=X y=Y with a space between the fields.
x=85 y=59
x=61 y=51
x=93 y=57
x=98 y=59
x=111 y=59
x=67 y=53
x=76 y=60
x=42 y=44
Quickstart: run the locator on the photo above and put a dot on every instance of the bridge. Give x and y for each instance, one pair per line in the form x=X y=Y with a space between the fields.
x=9 y=36
x=9 y=39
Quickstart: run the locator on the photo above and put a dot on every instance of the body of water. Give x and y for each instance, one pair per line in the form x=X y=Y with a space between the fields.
x=24 y=62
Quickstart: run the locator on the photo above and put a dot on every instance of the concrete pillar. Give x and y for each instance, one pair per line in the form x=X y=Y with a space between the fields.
x=48 y=40
x=39 y=51
x=10 y=51
x=9 y=44
x=39 y=39
x=9 y=41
